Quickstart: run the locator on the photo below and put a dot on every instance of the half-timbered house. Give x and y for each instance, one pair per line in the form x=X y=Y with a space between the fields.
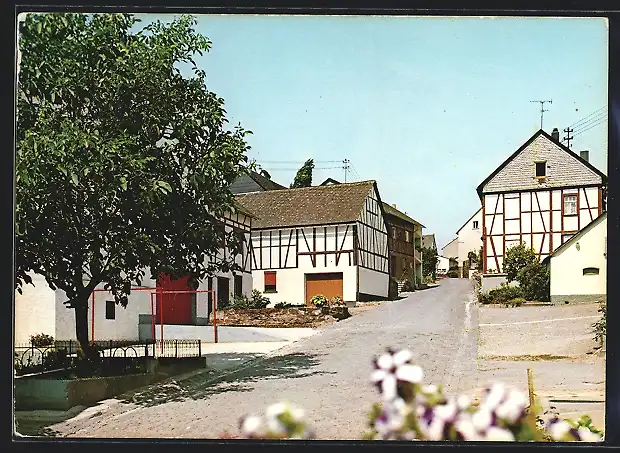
x=329 y=240
x=542 y=195
x=404 y=237
x=187 y=312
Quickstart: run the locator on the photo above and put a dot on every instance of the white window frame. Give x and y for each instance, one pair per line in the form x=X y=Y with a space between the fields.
x=570 y=203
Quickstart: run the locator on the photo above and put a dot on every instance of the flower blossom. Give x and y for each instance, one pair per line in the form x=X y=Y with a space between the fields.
x=394 y=369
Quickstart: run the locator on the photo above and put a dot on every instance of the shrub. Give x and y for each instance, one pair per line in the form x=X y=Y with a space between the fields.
x=41 y=340
x=534 y=280
x=516 y=302
x=600 y=327
x=484 y=298
x=243 y=302
x=517 y=258
x=453 y=273
x=283 y=305
x=319 y=301
x=337 y=302
x=408 y=286
x=504 y=293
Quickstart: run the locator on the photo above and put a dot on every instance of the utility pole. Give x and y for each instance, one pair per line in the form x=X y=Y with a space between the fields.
x=345 y=167
x=568 y=137
x=542 y=110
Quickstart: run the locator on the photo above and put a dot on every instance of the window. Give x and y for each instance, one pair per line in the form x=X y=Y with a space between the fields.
x=541 y=169
x=407 y=236
x=566 y=237
x=475 y=224
x=570 y=204
x=270 y=282
x=238 y=285
x=110 y=309
x=394 y=232
x=590 y=271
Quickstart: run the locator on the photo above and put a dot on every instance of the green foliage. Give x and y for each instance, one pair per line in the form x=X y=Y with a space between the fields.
x=517 y=258
x=408 y=286
x=243 y=302
x=122 y=163
x=504 y=293
x=484 y=298
x=586 y=422
x=284 y=305
x=337 y=301
x=516 y=302
x=534 y=280
x=600 y=326
x=429 y=263
x=453 y=273
x=303 y=178
x=319 y=301
x=41 y=340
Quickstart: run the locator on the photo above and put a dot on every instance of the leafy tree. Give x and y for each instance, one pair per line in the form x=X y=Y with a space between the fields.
x=303 y=178
x=123 y=164
x=517 y=258
x=534 y=280
x=429 y=261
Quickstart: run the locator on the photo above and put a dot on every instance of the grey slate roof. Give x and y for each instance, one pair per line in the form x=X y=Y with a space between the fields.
x=564 y=168
x=391 y=210
x=428 y=241
x=317 y=205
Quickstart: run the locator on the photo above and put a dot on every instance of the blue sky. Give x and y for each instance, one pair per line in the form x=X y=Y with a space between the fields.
x=427 y=107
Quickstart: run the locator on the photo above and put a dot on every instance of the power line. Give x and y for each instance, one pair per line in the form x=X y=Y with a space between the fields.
x=295 y=168
x=590 y=121
x=590 y=127
x=299 y=161
x=587 y=116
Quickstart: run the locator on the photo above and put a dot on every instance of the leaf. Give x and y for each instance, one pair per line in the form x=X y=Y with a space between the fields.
x=164 y=186
x=124 y=183
x=74 y=179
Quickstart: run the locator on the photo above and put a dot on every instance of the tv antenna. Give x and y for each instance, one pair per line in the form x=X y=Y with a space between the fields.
x=542 y=110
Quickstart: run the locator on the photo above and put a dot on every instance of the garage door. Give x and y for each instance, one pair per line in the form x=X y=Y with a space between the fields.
x=329 y=285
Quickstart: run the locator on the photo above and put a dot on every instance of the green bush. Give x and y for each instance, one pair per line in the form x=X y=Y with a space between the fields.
x=484 y=298
x=504 y=293
x=517 y=258
x=243 y=302
x=600 y=327
x=453 y=273
x=408 y=286
x=534 y=280
x=319 y=301
x=516 y=302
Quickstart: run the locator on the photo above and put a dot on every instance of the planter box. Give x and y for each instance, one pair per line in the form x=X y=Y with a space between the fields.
x=33 y=393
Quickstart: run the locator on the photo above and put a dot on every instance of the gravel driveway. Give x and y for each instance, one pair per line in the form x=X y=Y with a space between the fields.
x=326 y=374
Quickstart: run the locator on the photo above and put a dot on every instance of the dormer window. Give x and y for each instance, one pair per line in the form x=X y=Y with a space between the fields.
x=541 y=169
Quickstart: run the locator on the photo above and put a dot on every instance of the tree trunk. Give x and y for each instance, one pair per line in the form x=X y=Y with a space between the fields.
x=81 y=329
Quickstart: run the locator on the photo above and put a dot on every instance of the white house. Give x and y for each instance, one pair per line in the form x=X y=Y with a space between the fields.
x=451 y=249
x=541 y=195
x=579 y=266
x=329 y=240
x=469 y=239
x=442 y=266
x=41 y=310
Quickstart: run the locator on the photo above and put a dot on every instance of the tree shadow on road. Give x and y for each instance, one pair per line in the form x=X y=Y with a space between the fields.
x=205 y=384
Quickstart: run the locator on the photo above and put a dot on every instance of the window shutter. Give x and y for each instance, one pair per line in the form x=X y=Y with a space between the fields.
x=270 y=279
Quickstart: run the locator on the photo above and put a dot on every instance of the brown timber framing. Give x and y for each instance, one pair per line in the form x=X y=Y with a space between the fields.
x=550 y=221
x=491 y=233
x=484 y=238
x=503 y=223
x=585 y=195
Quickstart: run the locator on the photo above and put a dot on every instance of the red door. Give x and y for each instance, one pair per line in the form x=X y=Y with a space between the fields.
x=175 y=308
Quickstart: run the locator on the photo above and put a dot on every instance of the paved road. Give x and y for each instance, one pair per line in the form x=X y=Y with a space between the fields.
x=326 y=374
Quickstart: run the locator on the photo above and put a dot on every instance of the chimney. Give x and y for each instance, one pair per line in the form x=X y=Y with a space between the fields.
x=585 y=155
x=555 y=134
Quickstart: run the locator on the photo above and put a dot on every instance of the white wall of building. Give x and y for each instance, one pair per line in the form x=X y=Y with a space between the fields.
x=443 y=264
x=34 y=310
x=373 y=282
x=535 y=218
x=451 y=250
x=291 y=283
x=567 y=279
x=470 y=237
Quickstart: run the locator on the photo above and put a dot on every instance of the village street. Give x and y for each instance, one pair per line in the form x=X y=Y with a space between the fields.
x=326 y=374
